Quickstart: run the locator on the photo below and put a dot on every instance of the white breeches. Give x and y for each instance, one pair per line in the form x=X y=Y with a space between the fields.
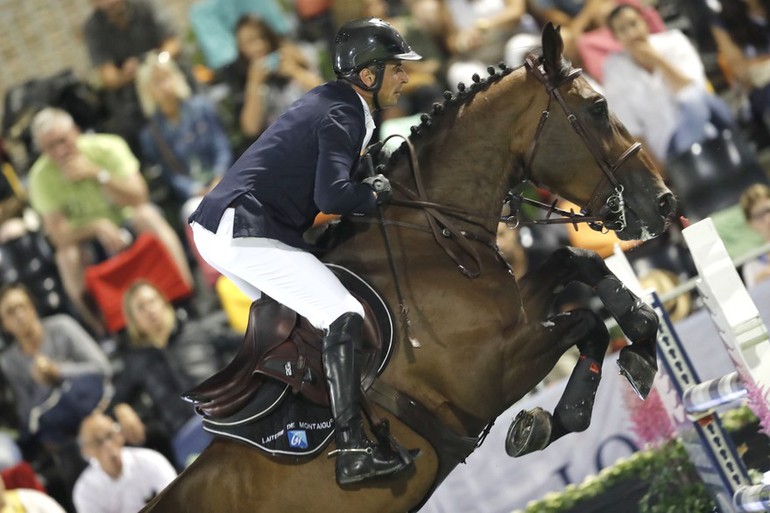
x=291 y=276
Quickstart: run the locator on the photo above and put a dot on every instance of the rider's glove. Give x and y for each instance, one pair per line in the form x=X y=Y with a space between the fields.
x=381 y=187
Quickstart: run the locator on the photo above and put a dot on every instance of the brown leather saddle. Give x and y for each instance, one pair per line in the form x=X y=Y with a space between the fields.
x=281 y=345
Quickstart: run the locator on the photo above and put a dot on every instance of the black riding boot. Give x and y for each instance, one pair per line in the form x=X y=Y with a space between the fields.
x=357 y=457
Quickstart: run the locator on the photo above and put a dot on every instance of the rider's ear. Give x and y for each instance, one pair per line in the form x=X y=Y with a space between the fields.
x=367 y=77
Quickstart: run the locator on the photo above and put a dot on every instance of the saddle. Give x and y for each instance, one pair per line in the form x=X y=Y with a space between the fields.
x=283 y=346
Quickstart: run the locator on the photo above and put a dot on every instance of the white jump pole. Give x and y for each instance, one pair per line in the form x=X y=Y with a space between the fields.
x=753 y=498
x=744 y=334
x=704 y=397
x=689 y=402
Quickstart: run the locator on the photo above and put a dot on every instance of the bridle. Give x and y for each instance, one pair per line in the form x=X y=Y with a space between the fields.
x=614 y=204
x=441 y=218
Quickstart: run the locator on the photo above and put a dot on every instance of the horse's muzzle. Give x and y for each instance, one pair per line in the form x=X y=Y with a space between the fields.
x=667 y=207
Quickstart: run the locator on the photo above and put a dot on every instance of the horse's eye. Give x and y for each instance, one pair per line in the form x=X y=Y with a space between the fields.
x=599 y=109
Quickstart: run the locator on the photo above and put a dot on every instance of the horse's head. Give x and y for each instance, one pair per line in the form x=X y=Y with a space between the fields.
x=583 y=153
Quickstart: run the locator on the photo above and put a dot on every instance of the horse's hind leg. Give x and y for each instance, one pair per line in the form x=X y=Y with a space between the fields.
x=637 y=320
x=535 y=429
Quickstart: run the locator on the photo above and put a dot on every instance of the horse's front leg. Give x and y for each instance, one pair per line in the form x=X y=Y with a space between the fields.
x=535 y=429
x=638 y=362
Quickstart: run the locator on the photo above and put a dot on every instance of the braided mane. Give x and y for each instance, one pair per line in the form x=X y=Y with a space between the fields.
x=453 y=101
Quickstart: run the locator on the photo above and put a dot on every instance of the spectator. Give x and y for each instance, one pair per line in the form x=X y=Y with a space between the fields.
x=475 y=33
x=212 y=22
x=184 y=135
x=118 y=33
x=268 y=75
x=742 y=35
x=587 y=40
x=45 y=354
x=755 y=203
x=168 y=355
x=118 y=479
x=658 y=88
x=86 y=187
x=575 y=17
x=25 y=499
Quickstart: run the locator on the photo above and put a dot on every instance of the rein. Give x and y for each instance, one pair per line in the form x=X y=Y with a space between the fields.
x=443 y=229
x=434 y=215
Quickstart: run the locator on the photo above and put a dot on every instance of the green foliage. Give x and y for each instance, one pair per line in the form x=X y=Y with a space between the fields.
x=674 y=483
x=736 y=418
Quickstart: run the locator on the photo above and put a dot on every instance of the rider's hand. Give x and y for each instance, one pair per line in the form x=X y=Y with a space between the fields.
x=381 y=187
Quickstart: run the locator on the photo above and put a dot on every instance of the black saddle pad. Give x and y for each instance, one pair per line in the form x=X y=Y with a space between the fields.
x=278 y=422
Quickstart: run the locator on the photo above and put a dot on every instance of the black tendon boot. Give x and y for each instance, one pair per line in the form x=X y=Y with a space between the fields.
x=357 y=457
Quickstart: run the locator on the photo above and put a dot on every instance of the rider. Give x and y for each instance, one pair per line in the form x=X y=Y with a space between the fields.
x=250 y=226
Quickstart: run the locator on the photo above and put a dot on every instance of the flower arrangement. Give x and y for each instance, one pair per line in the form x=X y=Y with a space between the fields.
x=651 y=423
x=673 y=485
x=758 y=402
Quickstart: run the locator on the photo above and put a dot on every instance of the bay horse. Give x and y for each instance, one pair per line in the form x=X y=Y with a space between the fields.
x=479 y=341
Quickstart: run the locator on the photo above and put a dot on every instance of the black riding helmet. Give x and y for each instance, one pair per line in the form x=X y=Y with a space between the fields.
x=365 y=42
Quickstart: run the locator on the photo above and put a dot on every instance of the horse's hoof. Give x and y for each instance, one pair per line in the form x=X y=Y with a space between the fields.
x=638 y=369
x=530 y=431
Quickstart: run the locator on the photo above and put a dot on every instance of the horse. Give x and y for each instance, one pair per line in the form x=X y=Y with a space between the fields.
x=470 y=340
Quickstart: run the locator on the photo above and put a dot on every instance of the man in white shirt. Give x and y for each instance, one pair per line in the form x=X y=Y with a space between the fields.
x=657 y=86
x=118 y=479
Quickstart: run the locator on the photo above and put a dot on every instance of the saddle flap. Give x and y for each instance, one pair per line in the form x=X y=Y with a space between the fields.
x=297 y=362
x=270 y=323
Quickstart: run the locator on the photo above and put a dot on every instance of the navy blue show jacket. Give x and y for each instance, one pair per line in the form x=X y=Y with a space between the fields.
x=300 y=166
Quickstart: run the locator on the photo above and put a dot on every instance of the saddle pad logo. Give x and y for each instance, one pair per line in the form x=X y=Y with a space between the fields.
x=297 y=438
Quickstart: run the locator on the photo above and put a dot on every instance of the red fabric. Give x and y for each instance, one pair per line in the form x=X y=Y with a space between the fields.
x=596 y=45
x=146 y=259
x=21 y=475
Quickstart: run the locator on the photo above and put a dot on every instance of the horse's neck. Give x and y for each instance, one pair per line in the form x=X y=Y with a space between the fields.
x=469 y=156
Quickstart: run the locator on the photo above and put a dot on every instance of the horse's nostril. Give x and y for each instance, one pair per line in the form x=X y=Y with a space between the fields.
x=666 y=205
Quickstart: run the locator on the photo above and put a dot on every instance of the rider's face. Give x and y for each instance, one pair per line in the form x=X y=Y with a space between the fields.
x=393 y=80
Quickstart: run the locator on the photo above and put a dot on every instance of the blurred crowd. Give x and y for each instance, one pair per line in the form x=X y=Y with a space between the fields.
x=108 y=313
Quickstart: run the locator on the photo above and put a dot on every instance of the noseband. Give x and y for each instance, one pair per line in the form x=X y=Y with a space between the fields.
x=615 y=203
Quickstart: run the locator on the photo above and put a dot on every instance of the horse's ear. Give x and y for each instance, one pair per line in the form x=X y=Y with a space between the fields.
x=553 y=46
